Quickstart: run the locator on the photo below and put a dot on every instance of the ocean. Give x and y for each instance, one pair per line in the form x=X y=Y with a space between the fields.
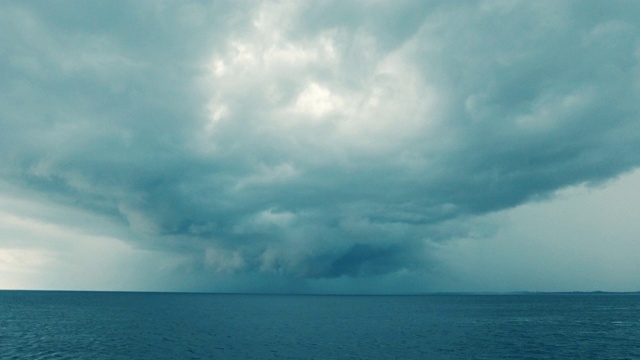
x=120 y=325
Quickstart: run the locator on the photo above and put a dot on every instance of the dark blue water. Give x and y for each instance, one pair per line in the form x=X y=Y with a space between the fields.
x=76 y=325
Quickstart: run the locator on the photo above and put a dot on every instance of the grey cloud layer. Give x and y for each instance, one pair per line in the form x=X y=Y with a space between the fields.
x=314 y=140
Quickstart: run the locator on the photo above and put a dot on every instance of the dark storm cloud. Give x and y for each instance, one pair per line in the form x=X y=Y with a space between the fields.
x=314 y=140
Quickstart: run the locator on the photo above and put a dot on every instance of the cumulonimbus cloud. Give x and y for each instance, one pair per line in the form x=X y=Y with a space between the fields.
x=314 y=140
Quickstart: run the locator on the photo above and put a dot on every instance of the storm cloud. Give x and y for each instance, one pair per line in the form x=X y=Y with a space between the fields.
x=312 y=140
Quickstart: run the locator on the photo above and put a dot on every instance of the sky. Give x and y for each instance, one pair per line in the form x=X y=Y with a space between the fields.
x=320 y=146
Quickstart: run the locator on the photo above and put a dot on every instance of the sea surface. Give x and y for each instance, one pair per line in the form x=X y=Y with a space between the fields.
x=115 y=325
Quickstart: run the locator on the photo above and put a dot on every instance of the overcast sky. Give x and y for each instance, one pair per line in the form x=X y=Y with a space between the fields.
x=320 y=146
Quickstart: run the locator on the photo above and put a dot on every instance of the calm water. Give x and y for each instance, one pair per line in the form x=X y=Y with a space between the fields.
x=72 y=325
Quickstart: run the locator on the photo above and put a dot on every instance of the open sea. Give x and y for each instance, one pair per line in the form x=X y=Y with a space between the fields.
x=120 y=325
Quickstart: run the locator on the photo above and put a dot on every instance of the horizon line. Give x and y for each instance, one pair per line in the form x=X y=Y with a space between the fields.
x=434 y=293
